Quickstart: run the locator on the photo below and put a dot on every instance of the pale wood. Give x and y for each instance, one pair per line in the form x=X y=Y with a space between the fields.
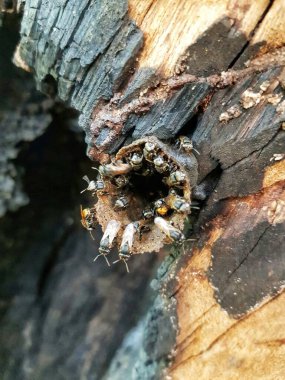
x=211 y=344
x=170 y=26
x=271 y=31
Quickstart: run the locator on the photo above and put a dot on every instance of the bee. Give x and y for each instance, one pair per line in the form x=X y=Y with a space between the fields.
x=126 y=246
x=88 y=219
x=160 y=207
x=121 y=203
x=113 y=169
x=161 y=165
x=176 y=178
x=136 y=161
x=97 y=185
x=121 y=181
x=148 y=213
x=147 y=171
x=108 y=238
x=175 y=202
x=186 y=144
x=149 y=151
x=173 y=233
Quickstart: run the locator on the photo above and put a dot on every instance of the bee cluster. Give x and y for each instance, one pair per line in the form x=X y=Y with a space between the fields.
x=145 y=192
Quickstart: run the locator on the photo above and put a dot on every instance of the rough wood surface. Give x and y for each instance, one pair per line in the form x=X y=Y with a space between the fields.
x=217 y=312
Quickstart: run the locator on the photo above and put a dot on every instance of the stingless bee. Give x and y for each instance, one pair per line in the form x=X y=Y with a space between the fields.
x=160 y=207
x=108 y=238
x=121 y=181
x=175 y=202
x=121 y=203
x=147 y=171
x=161 y=165
x=136 y=161
x=149 y=151
x=97 y=185
x=186 y=144
x=88 y=219
x=126 y=246
x=113 y=169
x=148 y=213
x=173 y=233
x=176 y=178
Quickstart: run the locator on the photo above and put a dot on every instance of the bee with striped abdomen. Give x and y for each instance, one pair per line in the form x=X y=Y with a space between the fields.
x=173 y=233
x=176 y=179
x=136 y=160
x=177 y=203
x=121 y=203
x=149 y=151
x=161 y=165
x=160 y=207
x=108 y=238
x=186 y=144
x=88 y=219
x=126 y=246
x=113 y=169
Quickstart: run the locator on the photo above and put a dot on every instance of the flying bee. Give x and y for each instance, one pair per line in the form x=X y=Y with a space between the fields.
x=126 y=246
x=113 y=169
x=160 y=207
x=121 y=181
x=108 y=238
x=148 y=213
x=97 y=185
x=161 y=165
x=88 y=219
x=173 y=233
x=175 y=202
x=186 y=144
x=149 y=151
x=136 y=161
x=121 y=203
x=176 y=178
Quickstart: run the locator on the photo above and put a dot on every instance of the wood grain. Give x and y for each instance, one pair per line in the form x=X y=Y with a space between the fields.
x=170 y=27
x=212 y=342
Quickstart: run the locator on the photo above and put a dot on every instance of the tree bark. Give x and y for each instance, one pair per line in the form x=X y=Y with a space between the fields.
x=213 y=71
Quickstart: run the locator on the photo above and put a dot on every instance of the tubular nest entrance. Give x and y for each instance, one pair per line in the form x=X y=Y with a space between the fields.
x=145 y=192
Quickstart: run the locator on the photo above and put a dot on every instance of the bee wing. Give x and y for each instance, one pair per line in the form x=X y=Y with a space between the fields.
x=111 y=231
x=128 y=236
x=85 y=177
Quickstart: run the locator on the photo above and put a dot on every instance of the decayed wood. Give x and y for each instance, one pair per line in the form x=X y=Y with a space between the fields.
x=163 y=68
x=229 y=301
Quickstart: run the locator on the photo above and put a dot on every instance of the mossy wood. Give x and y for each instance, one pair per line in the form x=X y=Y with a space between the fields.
x=213 y=71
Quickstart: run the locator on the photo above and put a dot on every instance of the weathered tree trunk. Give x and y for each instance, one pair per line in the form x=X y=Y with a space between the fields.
x=213 y=71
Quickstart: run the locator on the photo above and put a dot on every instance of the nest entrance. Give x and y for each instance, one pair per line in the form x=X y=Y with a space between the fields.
x=142 y=190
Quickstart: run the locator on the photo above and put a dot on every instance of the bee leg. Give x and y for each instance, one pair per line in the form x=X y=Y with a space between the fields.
x=116 y=261
x=92 y=237
x=195 y=150
x=127 y=268
x=83 y=190
x=102 y=254
x=107 y=261
x=92 y=167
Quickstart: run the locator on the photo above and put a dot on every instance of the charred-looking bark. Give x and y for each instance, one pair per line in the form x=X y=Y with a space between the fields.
x=213 y=72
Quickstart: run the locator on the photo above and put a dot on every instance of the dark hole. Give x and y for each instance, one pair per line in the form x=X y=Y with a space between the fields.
x=149 y=187
x=49 y=86
x=145 y=191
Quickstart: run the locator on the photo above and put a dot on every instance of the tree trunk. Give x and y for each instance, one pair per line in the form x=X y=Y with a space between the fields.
x=213 y=71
